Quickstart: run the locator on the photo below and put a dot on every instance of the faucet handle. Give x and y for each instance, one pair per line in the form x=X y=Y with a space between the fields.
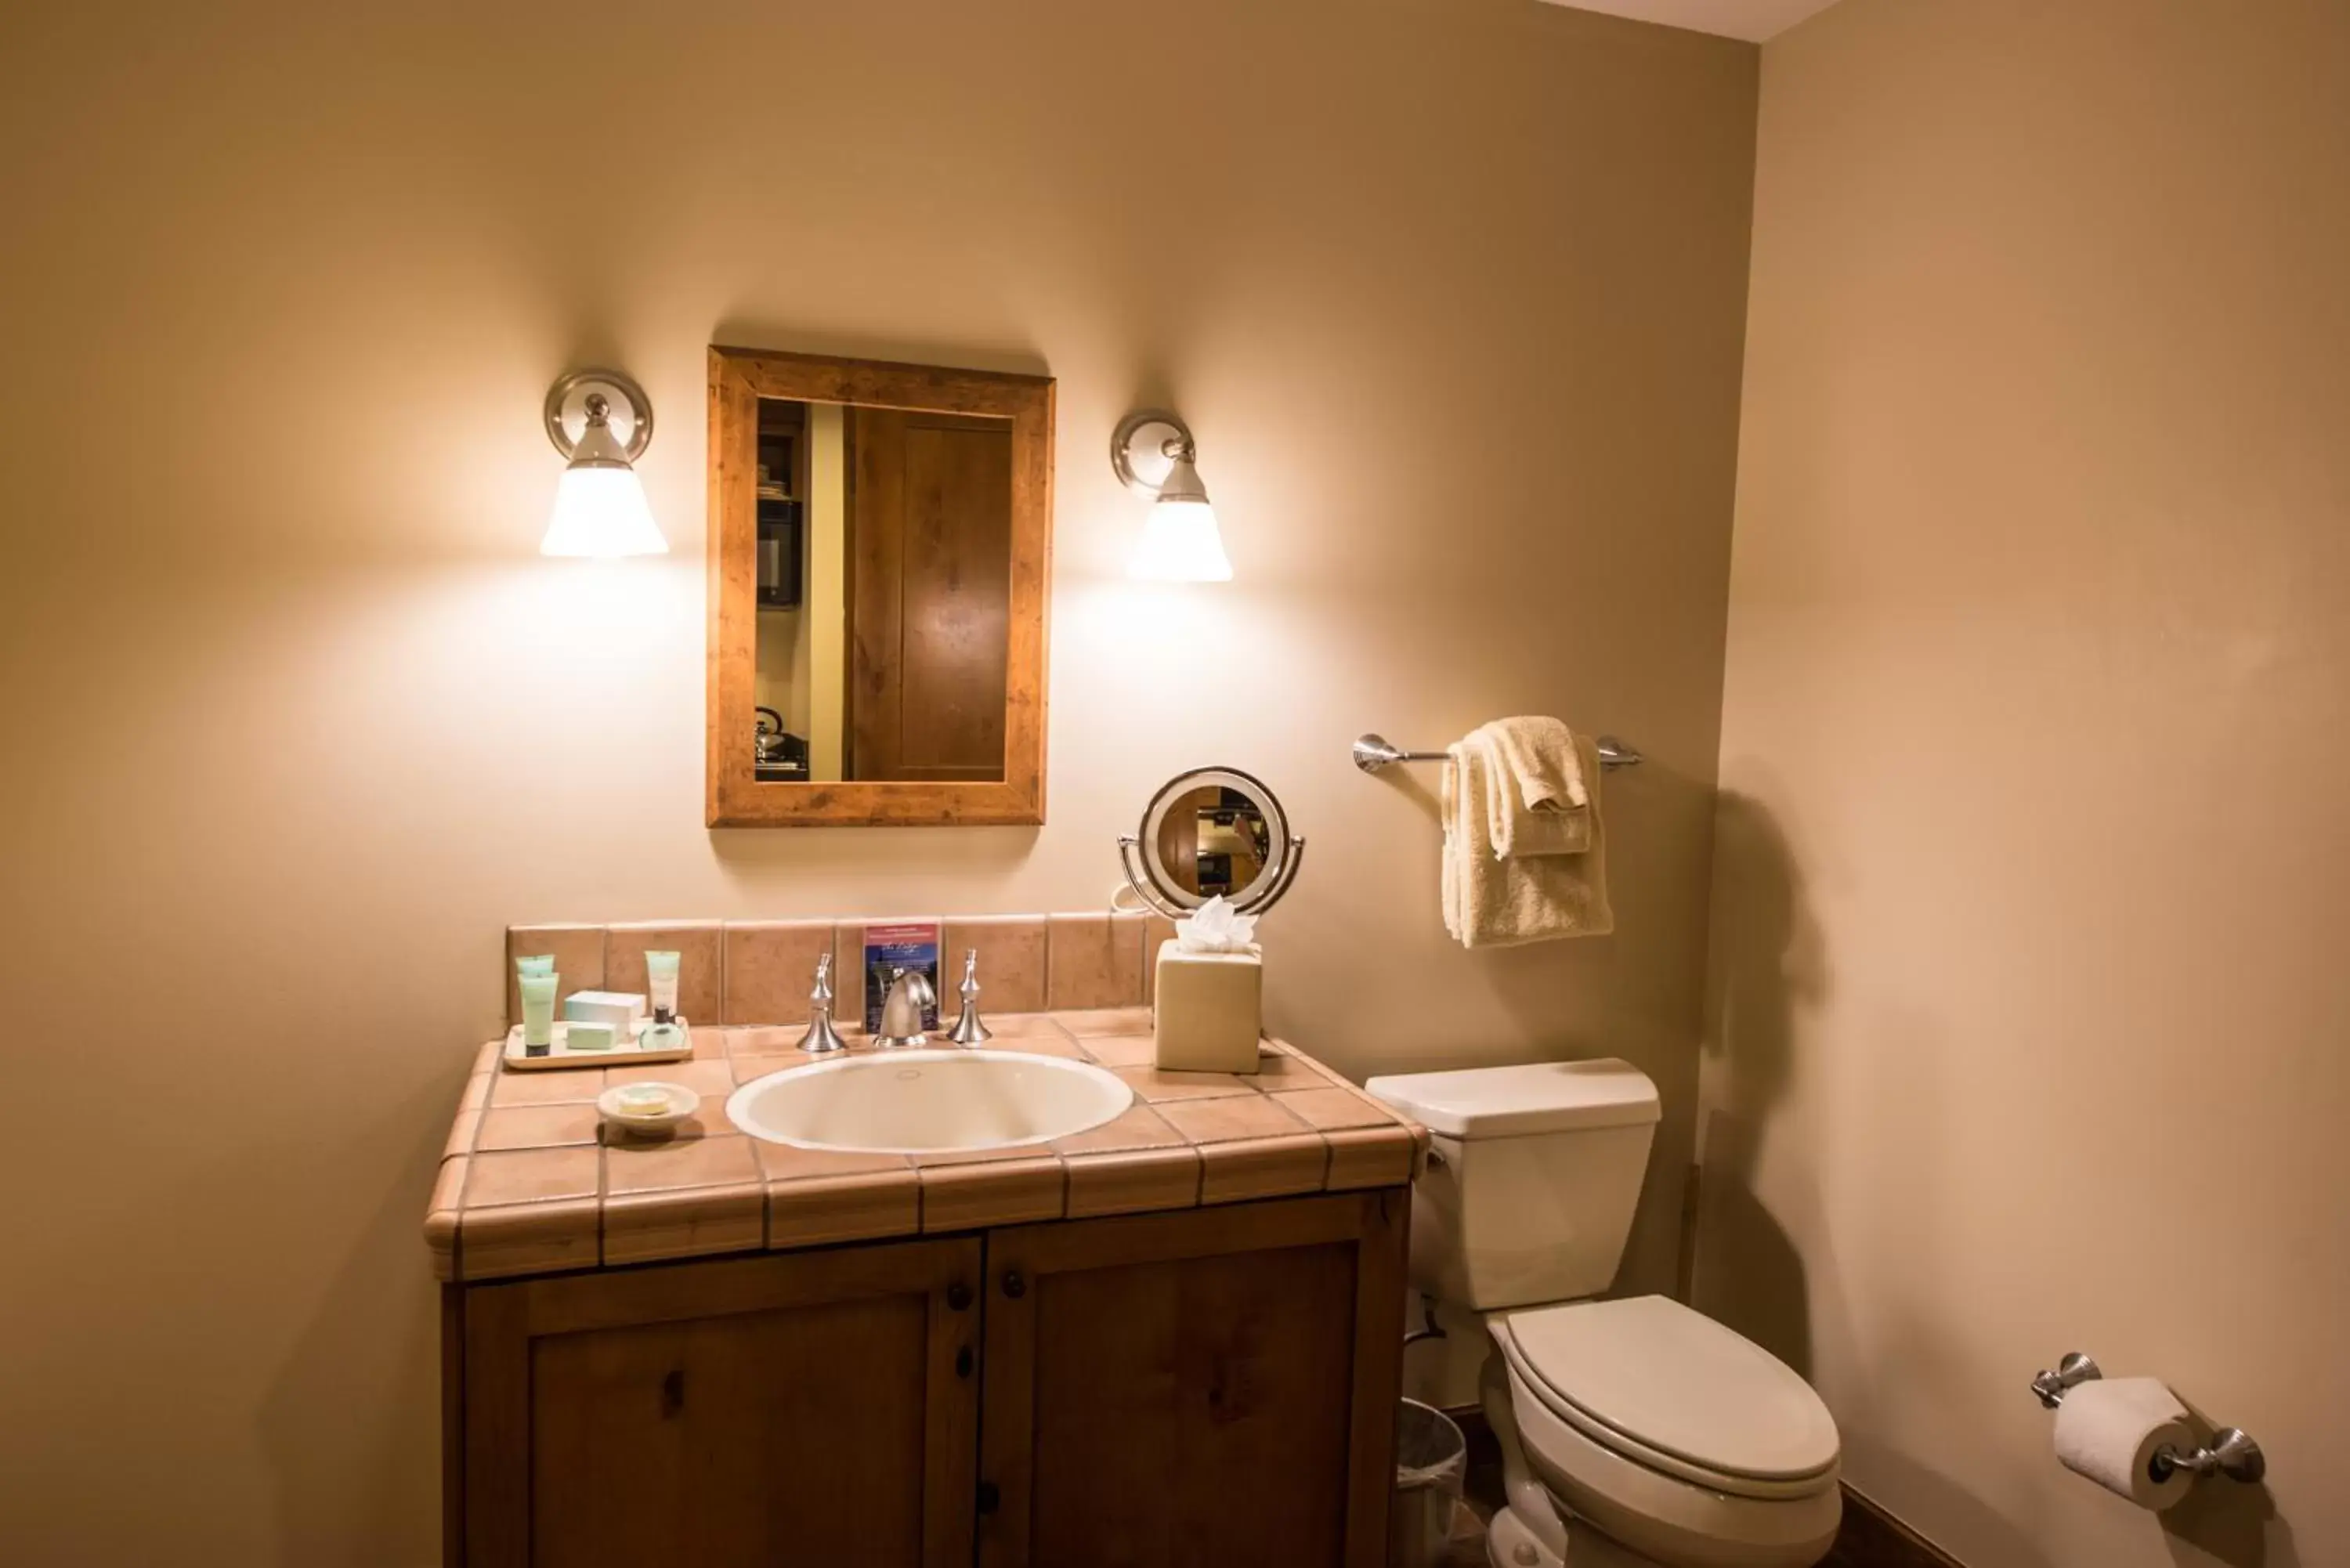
x=822 y=1038
x=968 y=1029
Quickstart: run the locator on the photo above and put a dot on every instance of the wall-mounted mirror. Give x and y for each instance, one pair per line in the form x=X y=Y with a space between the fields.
x=1211 y=832
x=881 y=543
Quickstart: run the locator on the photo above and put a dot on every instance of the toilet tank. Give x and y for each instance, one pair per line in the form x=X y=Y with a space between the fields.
x=1532 y=1176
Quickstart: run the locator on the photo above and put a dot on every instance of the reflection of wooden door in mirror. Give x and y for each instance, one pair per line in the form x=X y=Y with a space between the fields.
x=880 y=543
x=930 y=520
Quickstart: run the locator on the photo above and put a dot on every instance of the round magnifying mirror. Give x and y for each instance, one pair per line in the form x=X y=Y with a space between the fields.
x=1211 y=832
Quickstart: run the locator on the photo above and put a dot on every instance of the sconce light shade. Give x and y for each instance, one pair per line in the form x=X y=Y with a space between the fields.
x=1152 y=453
x=600 y=509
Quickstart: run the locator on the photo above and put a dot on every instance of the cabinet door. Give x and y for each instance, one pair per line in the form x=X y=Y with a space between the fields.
x=1212 y=1387
x=817 y=1407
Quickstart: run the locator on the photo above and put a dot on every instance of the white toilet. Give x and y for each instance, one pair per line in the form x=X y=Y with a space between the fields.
x=1637 y=1430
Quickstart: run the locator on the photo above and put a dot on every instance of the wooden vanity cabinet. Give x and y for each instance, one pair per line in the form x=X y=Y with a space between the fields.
x=1204 y=1386
x=811 y=1408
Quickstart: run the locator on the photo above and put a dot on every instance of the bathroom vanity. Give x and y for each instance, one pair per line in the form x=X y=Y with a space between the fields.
x=1172 y=1339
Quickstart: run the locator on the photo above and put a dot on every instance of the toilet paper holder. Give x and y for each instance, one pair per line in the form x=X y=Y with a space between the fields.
x=2230 y=1453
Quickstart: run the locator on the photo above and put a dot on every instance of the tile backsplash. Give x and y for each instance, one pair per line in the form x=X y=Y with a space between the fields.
x=760 y=972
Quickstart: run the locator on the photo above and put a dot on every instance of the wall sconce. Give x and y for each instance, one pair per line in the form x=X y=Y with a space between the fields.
x=599 y=504
x=1152 y=453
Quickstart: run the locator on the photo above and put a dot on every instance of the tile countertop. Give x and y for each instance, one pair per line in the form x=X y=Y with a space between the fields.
x=528 y=1187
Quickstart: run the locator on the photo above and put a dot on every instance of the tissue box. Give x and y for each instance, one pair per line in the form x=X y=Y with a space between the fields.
x=618 y=1008
x=1209 y=1010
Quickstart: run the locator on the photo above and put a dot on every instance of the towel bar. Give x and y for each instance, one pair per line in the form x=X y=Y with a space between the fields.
x=1373 y=753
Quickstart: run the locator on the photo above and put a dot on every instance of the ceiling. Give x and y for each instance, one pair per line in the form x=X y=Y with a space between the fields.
x=1753 y=20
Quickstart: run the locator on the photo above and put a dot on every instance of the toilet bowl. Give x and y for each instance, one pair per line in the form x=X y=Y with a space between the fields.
x=1679 y=1442
x=1634 y=1433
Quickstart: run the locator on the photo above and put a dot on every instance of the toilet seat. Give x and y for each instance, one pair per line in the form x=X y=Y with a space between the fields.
x=1672 y=1391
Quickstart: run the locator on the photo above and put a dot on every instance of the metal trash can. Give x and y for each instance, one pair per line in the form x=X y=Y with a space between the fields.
x=1430 y=1457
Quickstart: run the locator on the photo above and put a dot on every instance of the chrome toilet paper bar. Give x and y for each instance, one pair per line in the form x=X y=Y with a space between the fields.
x=2230 y=1453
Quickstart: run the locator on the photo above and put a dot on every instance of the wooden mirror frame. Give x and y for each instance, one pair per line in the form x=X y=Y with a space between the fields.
x=739 y=378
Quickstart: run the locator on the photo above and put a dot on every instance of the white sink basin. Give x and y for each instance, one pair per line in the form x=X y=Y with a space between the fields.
x=925 y=1102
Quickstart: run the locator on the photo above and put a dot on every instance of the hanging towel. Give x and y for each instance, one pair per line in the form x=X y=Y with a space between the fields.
x=1538 y=804
x=1491 y=901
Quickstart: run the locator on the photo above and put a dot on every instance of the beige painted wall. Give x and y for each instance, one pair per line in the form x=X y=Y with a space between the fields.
x=2029 y=1001
x=1451 y=290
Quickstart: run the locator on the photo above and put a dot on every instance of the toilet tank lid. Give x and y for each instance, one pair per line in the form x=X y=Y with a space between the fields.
x=1515 y=1102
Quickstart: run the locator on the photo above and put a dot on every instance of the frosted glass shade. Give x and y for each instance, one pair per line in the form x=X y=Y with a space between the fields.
x=1181 y=543
x=600 y=511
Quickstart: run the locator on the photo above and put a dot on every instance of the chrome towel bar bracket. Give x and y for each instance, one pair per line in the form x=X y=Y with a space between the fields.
x=1373 y=753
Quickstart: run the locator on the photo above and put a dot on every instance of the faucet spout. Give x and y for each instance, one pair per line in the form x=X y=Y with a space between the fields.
x=906 y=1008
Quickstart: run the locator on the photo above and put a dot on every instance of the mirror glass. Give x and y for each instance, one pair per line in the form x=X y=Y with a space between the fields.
x=884 y=594
x=1214 y=831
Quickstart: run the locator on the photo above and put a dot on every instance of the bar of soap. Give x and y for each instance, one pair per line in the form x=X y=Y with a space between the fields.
x=618 y=1008
x=587 y=1036
x=1209 y=1010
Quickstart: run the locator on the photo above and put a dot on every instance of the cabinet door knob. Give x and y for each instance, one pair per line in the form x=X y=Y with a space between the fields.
x=959 y=1296
x=1014 y=1285
x=988 y=1497
x=963 y=1362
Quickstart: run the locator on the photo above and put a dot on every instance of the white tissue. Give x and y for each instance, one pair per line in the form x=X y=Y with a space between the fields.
x=2108 y=1430
x=1216 y=928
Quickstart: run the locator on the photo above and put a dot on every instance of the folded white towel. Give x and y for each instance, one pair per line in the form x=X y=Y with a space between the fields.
x=1538 y=804
x=1492 y=901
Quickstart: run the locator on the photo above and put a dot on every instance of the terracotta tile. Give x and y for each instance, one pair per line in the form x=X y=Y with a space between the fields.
x=1276 y=1072
x=440 y=1217
x=1156 y=929
x=746 y=1068
x=646 y=1227
x=783 y=1162
x=1140 y=1127
x=1328 y=1109
x=1096 y=960
x=462 y=1128
x=1059 y=1045
x=813 y=1211
x=547 y=1086
x=1132 y=1182
x=1369 y=1157
x=771 y=969
x=1232 y=1117
x=1011 y=963
x=1150 y=1084
x=700 y=946
x=486 y=1059
x=1021 y=1025
x=1086 y=1023
x=528 y=1239
x=994 y=1156
x=578 y=951
x=684 y=1162
x=769 y=1039
x=531 y=1176
x=849 y=968
x=477 y=1092
x=1122 y=1050
x=536 y=1126
x=992 y=1192
x=1261 y=1168
x=704 y=1078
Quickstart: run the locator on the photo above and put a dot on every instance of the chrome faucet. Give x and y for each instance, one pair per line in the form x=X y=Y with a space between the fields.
x=908 y=1002
x=822 y=1038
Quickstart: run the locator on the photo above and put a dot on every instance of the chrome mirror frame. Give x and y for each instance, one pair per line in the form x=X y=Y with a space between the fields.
x=1154 y=882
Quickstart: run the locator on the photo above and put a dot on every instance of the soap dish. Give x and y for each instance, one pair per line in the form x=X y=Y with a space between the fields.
x=654 y=1042
x=677 y=1104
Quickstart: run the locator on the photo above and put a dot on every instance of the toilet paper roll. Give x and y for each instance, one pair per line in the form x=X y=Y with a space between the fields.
x=2108 y=1430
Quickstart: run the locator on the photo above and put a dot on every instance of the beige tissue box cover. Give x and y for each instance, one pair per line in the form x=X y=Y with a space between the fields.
x=1209 y=1010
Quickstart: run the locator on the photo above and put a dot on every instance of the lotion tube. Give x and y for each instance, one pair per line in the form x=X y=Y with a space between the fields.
x=660 y=981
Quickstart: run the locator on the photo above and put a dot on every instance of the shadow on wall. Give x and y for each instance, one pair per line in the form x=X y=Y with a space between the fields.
x=1768 y=959
x=2222 y=1521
